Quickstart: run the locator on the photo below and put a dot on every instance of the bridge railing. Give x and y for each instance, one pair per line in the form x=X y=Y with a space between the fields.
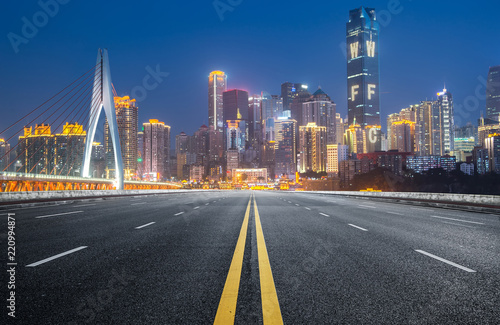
x=25 y=182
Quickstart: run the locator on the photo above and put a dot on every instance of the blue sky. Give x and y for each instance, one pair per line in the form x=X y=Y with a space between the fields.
x=259 y=44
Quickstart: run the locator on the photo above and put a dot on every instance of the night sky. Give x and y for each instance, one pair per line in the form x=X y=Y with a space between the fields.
x=259 y=44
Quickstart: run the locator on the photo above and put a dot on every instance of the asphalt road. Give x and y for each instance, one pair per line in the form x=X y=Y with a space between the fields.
x=312 y=259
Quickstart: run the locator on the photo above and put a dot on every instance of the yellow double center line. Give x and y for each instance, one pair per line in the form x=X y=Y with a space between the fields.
x=270 y=306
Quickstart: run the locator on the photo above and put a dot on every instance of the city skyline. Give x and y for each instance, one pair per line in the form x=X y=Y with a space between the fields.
x=461 y=75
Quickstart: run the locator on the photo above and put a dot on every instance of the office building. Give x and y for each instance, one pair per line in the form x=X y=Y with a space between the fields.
x=335 y=154
x=290 y=91
x=320 y=109
x=127 y=122
x=312 y=148
x=492 y=144
x=445 y=107
x=421 y=164
x=156 y=148
x=493 y=94
x=285 y=148
x=363 y=67
x=217 y=85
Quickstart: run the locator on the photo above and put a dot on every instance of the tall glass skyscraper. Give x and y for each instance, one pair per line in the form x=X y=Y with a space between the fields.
x=363 y=68
x=217 y=84
x=493 y=94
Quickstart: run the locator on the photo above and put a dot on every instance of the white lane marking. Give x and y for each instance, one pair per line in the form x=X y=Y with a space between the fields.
x=48 y=259
x=289 y=201
x=419 y=209
x=399 y=214
x=207 y=203
x=445 y=261
x=35 y=207
x=178 y=214
x=138 y=203
x=350 y=224
x=215 y=201
x=297 y=204
x=58 y=214
x=474 y=222
x=84 y=205
x=196 y=208
x=308 y=208
x=457 y=224
x=323 y=214
x=148 y=224
x=366 y=206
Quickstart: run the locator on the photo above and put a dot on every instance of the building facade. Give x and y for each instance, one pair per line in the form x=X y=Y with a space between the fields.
x=493 y=93
x=363 y=67
x=127 y=122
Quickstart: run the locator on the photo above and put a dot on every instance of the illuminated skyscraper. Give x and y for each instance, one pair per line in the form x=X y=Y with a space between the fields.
x=217 y=84
x=445 y=109
x=42 y=152
x=285 y=148
x=493 y=94
x=320 y=109
x=363 y=67
x=156 y=147
x=127 y=121
x=312 y=146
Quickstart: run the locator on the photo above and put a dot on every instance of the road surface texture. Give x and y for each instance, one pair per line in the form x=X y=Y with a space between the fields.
x=248 y=257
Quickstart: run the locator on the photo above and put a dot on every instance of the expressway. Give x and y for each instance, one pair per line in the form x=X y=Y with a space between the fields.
x=252 y=257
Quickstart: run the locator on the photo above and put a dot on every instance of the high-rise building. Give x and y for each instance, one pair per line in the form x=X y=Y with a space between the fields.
x=272 y=108
x=98 y=160
x=320 y=109
x=493 y=94
x=492 y=144
x=445 y=108
x=485 y=128
x=403 y=136
x=335 y=154
x=4 y=155
x=255 y=122
x=217 y=84
x=181 y=152
x=339 y=129
x=235 y=103
x=70 y=145
x=290 y=91
x=201 y=145
x=312 y=145
x=127 y=121
x=354 y=138
x=285 y=149
x=363 y=67
x=140 y=153
x=42 y=152
x=481 y=160
x=156 y=147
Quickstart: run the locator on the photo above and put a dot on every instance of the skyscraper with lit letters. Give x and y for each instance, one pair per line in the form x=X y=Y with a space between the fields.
x=363 y=89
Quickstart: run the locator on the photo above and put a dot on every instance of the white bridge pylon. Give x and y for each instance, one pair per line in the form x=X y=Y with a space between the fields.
x=102 y=96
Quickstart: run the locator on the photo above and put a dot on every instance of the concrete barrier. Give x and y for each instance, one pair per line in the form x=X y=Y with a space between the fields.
x=457 y=199
x=19 y=197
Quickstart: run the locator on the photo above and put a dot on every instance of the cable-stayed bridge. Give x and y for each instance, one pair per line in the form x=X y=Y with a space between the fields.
x=62 y=161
